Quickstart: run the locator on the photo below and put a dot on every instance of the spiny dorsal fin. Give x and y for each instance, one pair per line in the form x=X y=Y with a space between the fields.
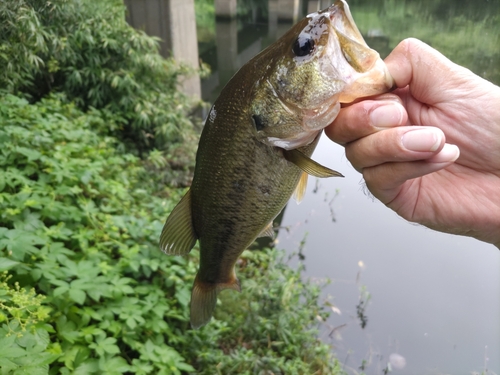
x=178 y=236
x=300 y=190
x=268 y=231
x=308 y=165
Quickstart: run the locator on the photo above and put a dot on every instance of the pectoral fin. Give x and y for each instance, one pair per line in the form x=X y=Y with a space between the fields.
x=308 y=165
x=268 y=231
x=178 y=236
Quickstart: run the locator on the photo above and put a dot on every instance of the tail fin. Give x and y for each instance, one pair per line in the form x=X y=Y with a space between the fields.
x=204 y=299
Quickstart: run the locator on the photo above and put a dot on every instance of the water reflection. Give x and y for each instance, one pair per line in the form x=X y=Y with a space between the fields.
x=431 y=300
x=434 y=297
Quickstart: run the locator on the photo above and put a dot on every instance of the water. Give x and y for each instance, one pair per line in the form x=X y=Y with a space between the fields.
x=434 y=298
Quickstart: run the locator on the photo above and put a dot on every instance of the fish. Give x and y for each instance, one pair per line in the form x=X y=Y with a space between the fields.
x=255 y=148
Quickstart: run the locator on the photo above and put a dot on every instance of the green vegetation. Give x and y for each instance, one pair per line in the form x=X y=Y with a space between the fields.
x=86 y=50
x=205 y=20
x=93 y=139
x=465 y=32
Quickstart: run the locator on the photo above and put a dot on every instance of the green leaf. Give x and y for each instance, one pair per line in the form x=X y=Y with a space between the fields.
x=7 y=366
x=114 y=365
x=60 y=290
x=29 y=153
x=20 y=242
x=105 y=345
x=7 y=264
x=88 y=367
x=12 y=352
x=32 y=370
x=77 y=295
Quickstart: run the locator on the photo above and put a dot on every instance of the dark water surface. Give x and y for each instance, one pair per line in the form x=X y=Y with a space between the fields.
x=434 y=299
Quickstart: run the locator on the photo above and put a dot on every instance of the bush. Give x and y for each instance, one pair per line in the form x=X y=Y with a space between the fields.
x=87 y=51
x=270 y=327
x=78 y=226
x=89 y=292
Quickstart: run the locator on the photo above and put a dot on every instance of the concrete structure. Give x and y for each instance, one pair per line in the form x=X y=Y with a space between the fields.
x=288 y=10
x=174 y=22
x=225 y=9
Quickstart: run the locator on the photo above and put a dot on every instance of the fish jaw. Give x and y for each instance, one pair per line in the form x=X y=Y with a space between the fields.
x=365 y=73
x=299 y=140
x=376 y=81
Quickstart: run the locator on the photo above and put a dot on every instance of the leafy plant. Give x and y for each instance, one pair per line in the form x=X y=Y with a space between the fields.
x=266 y=317
x=23 y=335
x=80 y=228
x=86 y=50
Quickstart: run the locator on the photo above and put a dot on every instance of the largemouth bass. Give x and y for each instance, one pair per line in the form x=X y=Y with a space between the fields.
x=255 y=148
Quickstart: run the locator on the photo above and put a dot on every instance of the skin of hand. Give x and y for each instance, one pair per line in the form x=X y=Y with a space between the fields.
x=430 y=150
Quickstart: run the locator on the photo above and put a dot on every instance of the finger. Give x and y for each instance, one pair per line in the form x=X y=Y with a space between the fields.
x=366 y=117
x=428 y=71
x=400 y=144
x=385 y=180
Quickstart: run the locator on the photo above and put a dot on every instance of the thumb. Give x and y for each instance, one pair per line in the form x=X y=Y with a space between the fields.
x=427 y=72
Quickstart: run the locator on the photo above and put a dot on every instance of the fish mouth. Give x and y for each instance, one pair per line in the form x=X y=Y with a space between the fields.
x=364 y=72
x=319 y=118
x=313 y=119
x=297 y=141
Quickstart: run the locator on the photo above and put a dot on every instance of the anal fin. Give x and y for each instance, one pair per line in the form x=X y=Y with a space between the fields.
x=268 y=231
x=308 y=165
x=178 y=236
x=300 y=190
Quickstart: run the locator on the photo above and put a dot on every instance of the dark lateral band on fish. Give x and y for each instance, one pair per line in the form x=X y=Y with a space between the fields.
x=255 y=148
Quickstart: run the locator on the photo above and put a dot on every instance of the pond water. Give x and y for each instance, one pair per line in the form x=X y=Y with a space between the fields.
x=430 y=301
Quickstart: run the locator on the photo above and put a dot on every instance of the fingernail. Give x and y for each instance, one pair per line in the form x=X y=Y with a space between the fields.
x=449 y=153
x=388 y=115
x=422 y=139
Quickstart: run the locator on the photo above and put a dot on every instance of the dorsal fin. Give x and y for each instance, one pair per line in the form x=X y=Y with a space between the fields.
x=178 y=236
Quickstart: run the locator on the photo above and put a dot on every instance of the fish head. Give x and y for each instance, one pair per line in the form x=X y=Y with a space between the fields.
x=304 y=77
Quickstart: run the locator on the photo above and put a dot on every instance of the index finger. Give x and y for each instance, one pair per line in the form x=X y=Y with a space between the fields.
x=366 y=117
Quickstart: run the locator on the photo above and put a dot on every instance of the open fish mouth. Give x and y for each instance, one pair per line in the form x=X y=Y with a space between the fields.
x=364 y=72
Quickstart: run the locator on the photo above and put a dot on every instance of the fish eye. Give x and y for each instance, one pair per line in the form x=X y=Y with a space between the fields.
x=303 y=46
x=258 y=122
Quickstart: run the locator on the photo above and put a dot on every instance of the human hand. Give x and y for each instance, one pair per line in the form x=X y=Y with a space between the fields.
x=430 y=150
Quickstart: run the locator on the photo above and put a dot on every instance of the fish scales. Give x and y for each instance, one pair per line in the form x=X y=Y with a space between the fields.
x=255 y=148
x=232 y=209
